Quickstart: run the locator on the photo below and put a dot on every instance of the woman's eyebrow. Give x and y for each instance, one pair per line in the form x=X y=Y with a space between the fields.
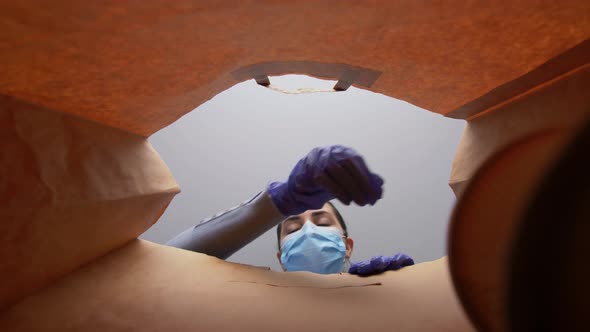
x=318 y=213
x=292 y=218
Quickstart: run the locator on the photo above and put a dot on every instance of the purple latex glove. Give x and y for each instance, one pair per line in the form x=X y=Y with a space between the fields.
x=379 y=264
x=324 y=174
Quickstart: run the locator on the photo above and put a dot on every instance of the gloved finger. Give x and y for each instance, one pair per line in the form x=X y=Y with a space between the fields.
x=347 y=182
x=358 y=170
x=374 y=181
x=364 y=268
x=326 y=182
x=399 y=260
x=406 y=262
x=391 y=263
x=377 y=186
x=340 y=152
x=314 y=156
x=379 y=264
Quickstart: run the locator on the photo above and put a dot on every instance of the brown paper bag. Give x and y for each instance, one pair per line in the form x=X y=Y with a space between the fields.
x=148 y=287
x=71 y=191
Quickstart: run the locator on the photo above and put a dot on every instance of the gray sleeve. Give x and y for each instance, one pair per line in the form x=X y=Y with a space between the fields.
x=224 y=234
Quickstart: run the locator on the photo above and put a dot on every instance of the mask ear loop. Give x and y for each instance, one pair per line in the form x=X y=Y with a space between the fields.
x=346 y=264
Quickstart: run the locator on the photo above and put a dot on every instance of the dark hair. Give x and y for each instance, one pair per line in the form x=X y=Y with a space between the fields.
x=338 y=217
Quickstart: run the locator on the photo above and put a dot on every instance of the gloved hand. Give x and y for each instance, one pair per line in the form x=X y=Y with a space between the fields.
x=324 y=174
x=379 y=264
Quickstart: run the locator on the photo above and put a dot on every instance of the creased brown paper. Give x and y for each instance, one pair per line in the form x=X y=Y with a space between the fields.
x=71 y=191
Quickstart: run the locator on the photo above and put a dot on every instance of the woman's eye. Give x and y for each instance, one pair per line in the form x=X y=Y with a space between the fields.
x=324 y=222
x=292 y=230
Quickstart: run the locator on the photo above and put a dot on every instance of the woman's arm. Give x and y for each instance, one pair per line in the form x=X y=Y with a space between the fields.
x=224 y=234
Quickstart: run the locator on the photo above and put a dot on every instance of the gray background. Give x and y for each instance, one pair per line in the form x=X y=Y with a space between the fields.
x=231 y=147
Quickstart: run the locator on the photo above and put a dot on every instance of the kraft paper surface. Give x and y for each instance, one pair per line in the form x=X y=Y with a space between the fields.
x=148 y=287
x=71 y=191
x=562 y=104
x=140 y=66
x=488 y=216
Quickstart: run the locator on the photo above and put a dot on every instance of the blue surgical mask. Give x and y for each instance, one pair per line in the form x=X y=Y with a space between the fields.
x=314 y=249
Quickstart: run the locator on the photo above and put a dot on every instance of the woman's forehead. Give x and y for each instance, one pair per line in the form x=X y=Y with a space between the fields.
x=310 y=215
